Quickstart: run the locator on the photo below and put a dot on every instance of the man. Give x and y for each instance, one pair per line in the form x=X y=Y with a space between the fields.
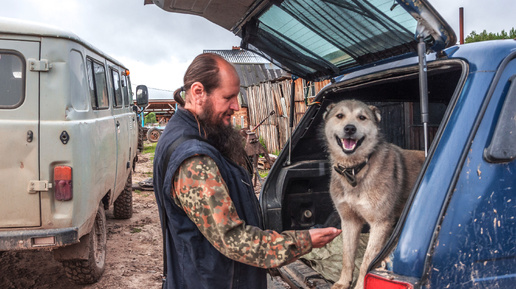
x=207 y=203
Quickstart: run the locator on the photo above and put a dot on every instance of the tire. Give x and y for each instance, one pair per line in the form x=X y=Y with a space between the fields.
x=153 y=134
x=123 y=206
x=141 y=136
x=89 y=271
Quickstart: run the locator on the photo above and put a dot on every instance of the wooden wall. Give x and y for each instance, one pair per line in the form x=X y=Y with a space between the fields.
x=268 y=96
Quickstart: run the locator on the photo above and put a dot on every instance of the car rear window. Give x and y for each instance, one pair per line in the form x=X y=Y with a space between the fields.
x=12 y=78
x=310 y=36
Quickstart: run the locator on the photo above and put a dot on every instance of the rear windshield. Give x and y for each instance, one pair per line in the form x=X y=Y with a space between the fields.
x=312 y=38
x=12 y=78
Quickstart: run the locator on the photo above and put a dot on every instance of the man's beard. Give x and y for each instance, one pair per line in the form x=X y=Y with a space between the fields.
x=223 y=137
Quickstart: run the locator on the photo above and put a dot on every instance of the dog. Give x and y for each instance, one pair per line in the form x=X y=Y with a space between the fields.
x=370 y=180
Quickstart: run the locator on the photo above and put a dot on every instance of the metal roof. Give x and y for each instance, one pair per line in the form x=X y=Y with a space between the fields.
x=237 y=55
x=251 y=67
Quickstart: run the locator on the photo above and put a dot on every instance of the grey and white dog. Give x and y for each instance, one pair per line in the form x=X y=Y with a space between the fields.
x=370 y=182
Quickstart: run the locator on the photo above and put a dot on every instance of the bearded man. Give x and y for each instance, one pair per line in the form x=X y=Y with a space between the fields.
x=210 y=215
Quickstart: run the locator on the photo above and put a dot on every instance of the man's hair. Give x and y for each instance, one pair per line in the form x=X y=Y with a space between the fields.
x=204 y=69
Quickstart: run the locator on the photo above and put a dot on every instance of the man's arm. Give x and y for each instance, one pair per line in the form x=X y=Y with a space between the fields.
x=200 y=190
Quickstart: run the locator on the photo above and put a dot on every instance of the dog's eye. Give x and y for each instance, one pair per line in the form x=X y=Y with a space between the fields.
x=361 y=117
x=340 y=115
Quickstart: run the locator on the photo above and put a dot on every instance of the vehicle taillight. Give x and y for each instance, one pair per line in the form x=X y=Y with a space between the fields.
x=373 y=281
x=63 y=190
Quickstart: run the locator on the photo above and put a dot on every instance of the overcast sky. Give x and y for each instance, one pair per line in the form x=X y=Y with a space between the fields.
x=157 y=46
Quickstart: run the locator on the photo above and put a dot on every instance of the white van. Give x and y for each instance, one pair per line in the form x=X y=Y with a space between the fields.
x=69 y=140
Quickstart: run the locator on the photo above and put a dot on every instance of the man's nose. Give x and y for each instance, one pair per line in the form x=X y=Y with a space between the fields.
x=234 y=104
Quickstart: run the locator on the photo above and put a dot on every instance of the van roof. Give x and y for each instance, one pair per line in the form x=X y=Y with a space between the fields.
x=12 y=26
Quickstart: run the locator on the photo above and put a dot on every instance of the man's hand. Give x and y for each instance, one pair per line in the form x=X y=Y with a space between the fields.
x=323 y=236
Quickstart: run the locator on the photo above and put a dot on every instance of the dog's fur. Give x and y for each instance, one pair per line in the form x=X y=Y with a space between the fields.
x=382 y=185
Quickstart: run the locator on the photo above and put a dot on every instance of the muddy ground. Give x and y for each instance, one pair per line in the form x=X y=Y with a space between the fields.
x=134 y=251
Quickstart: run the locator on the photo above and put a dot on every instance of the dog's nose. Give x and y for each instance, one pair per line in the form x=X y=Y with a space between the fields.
x=350 y=129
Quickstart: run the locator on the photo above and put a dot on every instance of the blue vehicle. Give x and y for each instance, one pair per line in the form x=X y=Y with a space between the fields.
x=458 y=228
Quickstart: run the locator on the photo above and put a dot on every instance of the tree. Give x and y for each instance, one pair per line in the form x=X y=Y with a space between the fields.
x=150 y=118
x=474 y=37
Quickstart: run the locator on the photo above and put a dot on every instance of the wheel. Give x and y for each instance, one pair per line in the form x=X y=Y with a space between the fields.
x=123 y=206
x=153 y=134
x=89 y=271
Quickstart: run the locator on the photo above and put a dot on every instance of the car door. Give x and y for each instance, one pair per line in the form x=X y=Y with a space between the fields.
x=475 y=247
x=19 y=118
x=121 y=119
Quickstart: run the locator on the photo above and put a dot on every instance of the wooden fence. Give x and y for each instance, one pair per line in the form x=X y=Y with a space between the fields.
x=269 y=96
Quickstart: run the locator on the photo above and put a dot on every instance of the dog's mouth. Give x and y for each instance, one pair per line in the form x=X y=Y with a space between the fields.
x=349 y=145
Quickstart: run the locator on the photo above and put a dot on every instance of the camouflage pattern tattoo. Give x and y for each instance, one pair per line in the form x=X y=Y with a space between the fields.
x=201 y=192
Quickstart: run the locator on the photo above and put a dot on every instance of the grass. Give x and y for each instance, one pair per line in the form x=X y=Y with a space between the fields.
x=136 y=230
x=149 y=148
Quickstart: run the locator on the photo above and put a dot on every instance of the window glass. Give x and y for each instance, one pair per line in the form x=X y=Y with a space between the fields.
x=502 y=148
x=12 y=78
x=78 y=81
x=129 y=89
x=98 y=85
x=117 y=91
x=303 y=36
x=125 y=91
x=91 y=84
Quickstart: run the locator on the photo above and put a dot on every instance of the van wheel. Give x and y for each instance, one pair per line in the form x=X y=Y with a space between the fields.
x=89 y=271
x=123 y=206
x=153 y=134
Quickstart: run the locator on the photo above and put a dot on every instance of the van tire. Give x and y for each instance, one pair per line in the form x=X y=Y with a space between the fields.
x=141 y=137
x=89 y=271
x=123 y=206
x=153 y=134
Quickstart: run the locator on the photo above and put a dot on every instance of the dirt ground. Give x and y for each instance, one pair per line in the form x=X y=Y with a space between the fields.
x=133 y=258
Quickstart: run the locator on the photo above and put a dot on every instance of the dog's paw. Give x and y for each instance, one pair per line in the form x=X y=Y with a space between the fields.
x=340 y=286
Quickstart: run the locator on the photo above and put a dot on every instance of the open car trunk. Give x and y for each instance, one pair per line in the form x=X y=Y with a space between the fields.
x=296 y=194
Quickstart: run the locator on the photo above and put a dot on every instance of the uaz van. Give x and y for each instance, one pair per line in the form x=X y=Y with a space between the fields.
x=68 y=147
x=458 y=228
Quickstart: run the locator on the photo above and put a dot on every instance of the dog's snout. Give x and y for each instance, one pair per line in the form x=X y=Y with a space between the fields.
x=350 y=129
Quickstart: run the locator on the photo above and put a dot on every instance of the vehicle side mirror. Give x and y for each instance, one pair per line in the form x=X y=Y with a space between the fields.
x=142 y=95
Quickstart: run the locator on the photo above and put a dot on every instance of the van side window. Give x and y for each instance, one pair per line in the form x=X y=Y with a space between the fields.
x=78 y=81
x=502 y=148
x=98 y=85
x=129 y=90
x=125 y=90
x=12 y=78
x=117 y=91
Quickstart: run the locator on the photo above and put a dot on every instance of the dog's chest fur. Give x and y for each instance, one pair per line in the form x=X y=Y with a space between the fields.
x=377 y=184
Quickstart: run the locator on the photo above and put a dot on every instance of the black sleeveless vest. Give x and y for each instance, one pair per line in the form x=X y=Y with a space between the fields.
x=192 y=262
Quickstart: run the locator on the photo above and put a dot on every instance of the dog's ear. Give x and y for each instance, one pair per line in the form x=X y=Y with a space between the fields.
x=376 y=112
x=328 y=109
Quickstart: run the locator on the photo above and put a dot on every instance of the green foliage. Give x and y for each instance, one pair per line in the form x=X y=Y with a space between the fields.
x=262 y=142
x=150 y=118
x=263 y=173
x=484 y=36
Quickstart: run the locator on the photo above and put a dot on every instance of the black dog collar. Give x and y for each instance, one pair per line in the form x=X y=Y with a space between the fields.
x=350 y=173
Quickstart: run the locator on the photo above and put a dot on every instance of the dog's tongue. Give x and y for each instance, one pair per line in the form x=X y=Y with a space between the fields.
x=349 y=144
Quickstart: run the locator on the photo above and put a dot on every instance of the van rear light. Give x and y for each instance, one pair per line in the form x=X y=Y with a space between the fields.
x=63 y=190
x=373 y=281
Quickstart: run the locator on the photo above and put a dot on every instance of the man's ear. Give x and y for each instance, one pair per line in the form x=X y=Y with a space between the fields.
x=198 y=93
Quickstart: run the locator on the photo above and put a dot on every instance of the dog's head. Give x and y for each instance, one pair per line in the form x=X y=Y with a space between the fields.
x=351 y=128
